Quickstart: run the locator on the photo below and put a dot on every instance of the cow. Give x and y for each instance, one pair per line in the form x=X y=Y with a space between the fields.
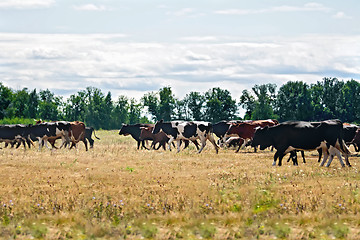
x=233 y=142
x=182 y=130
x=220 y=129
x=356 y=140
x=76 y=134
x=88 y=133
x=161 y=138
x=300 y=135
x=15 y=133
x=134 y=130
x=246 y=130
x=44 y=131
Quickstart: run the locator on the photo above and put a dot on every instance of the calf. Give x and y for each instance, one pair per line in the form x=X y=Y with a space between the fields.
x=233 y=142
x=181 y=130
x=161 y=138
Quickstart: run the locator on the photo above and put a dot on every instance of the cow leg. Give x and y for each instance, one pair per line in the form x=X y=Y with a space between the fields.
x=85 y=143
x=280 y=159
x=203 y=144
x=91 y=141
x=320 y=154
x=170 y=141
x=356 y=147
x=143 y=145
x=326 y=155
x=303 y=156
x=275 y=157
x=347 y=160
x=138 y=144
x=178 y=146
x=196 y=144
x=212 y=140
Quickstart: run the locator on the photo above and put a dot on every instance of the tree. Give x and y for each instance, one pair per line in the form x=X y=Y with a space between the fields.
x=134 y=112
x=6 y=96
x=32 y=105
x=48 y=106
x=219 y=105
x=195 y=104
x=293 y=102
x=167 y=104
x=75 y=108
x=351 y=90
x=248 y=102
x=328 y=99
x=119 y=114
x=94 y=100
x=151 y=101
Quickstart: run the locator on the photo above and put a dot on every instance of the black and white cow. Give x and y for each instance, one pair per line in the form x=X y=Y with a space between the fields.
x=300 y=135
x=43 y=131
x=182 y=130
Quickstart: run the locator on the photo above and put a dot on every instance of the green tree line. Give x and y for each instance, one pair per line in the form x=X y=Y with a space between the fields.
x=326 y=99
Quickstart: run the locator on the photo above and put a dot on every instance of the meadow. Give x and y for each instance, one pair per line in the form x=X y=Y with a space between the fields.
x=117 y=192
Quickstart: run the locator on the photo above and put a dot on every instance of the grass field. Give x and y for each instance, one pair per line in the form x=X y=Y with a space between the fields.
x=115 y=192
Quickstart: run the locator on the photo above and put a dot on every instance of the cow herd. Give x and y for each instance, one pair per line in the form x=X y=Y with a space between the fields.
x=69 y=132
x=330 y=138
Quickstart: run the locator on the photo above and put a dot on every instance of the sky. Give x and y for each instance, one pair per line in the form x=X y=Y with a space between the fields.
x=132 y=47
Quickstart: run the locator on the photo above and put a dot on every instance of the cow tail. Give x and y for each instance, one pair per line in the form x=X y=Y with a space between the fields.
x=72 y=136
x=95 y=135
x=345 y=149
x=80 y=136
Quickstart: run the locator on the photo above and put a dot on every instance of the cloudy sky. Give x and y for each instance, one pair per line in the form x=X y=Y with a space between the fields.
x=132 y=47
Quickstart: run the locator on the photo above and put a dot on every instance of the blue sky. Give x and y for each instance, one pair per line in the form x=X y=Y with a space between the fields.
x=133 y=47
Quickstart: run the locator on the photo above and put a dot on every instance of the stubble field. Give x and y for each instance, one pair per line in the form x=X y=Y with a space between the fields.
x=115 y=192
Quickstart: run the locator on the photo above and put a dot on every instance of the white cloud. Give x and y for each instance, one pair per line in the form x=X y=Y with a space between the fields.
x=68 y=63
x=283 y=8
x=91 y=7
x=341 y=15
x=188 y=12
x=25 y=4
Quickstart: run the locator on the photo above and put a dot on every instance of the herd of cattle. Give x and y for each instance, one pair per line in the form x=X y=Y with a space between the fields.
x=330 y=138
x=44 y=132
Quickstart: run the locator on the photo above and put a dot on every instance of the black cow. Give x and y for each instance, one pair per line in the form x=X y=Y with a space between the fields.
x=299 y=135
x=182 y=130
x=88 y=133
x=14 y=133
x=134 y=130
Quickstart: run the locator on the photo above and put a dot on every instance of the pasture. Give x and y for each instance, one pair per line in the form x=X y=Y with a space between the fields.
x=117 y=192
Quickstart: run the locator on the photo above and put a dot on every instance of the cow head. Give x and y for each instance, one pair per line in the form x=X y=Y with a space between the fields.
x=158 y=126
x=262 y=137
x=123 y=130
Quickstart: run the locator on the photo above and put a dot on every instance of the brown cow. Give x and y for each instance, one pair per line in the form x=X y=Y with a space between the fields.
x=161 y=137
x=77 y=134
x=246 y=130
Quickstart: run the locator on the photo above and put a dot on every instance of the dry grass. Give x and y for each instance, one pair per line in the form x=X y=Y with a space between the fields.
x=115 y=191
